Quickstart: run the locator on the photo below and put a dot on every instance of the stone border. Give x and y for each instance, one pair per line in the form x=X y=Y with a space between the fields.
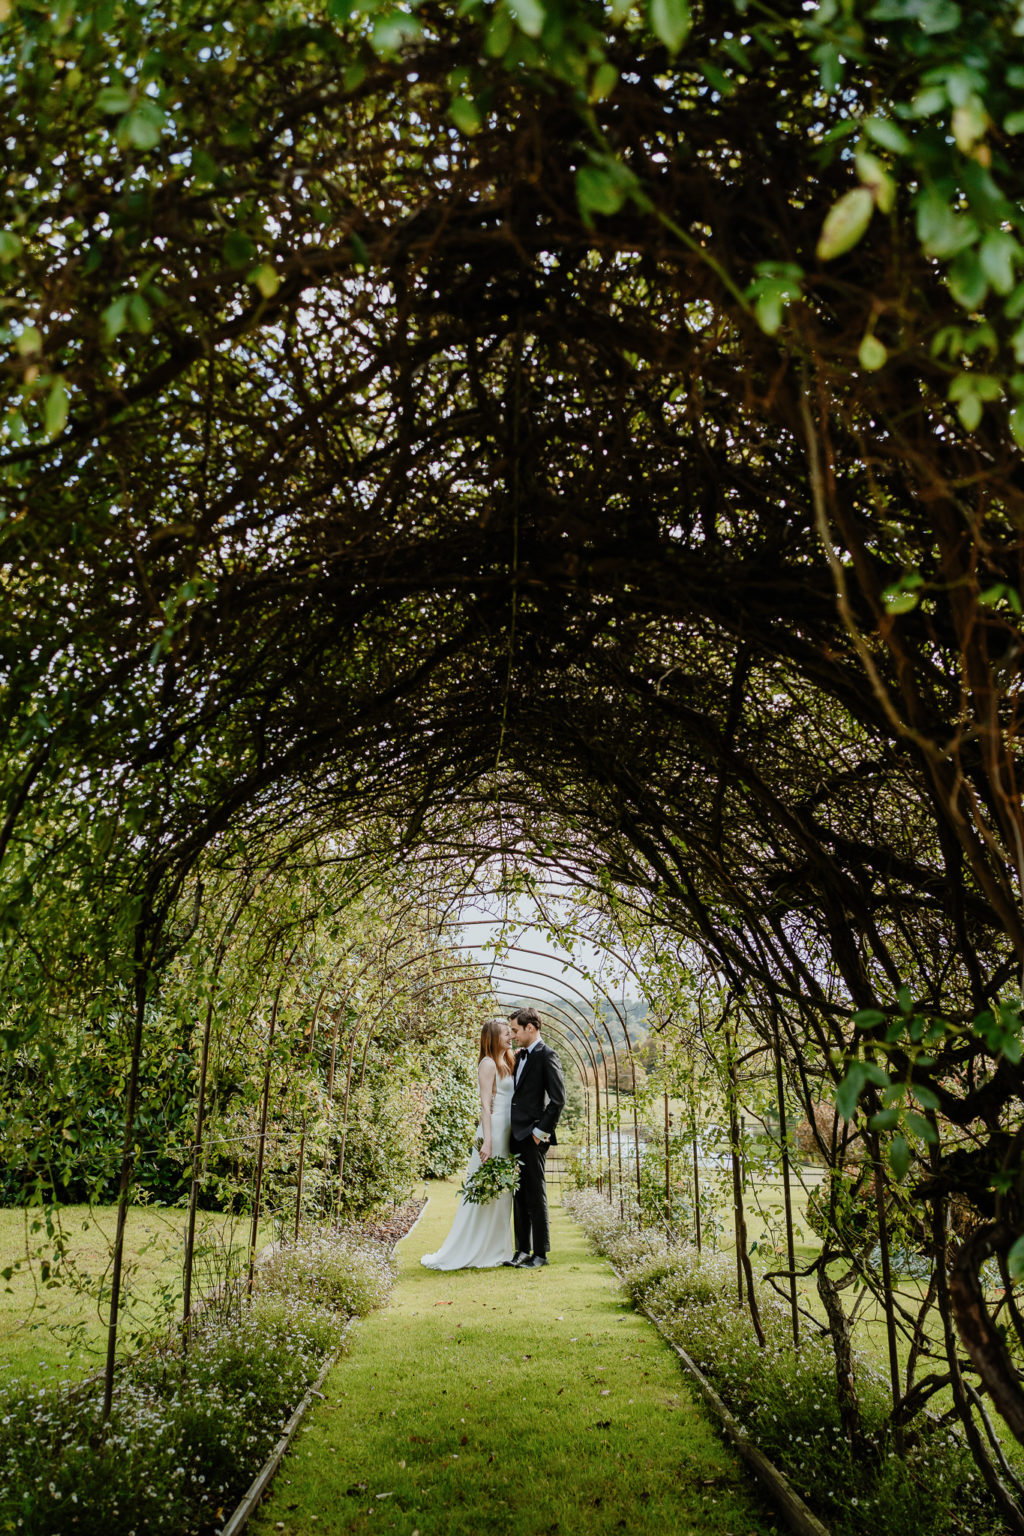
x=247 y=1507
x=798 y=1516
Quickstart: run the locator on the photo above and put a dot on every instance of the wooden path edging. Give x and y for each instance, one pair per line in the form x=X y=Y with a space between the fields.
x=800 y=1519
x=247 y=1507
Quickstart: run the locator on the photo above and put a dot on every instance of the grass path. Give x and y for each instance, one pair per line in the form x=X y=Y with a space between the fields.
x=491 y=1402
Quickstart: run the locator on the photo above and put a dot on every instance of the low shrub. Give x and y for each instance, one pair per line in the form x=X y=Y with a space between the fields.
x=786 y=1398
x=331 y=1271
x=186 y=1433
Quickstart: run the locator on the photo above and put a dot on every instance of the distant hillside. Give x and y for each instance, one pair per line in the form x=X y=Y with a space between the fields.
x=632 y=1012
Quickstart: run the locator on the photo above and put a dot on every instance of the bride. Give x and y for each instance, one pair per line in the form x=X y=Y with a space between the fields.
x=481 y=1235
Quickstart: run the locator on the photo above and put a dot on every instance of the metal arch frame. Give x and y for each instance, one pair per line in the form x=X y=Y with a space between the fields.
x=468 y=969
x=520 y=949
x=554 y=1007
x=598 y=987
x=583 y=1032
x=572 y=1041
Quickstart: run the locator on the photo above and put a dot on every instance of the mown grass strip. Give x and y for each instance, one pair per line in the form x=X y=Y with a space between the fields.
x=508 y=1401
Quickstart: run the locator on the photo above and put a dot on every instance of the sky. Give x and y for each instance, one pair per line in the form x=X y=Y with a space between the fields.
x=545 y=966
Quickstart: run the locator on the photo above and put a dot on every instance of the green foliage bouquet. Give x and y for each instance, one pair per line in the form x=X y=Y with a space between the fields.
x=492 y=1179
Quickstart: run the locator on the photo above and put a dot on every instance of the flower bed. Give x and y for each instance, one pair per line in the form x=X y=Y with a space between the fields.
x=786 y=1398
x=186 y=1434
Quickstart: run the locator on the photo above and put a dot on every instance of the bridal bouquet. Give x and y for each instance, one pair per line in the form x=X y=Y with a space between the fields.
x=491 y=1179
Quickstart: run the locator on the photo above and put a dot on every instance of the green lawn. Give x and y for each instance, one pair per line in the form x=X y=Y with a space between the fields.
x=54 y=1328
x=509 y=1401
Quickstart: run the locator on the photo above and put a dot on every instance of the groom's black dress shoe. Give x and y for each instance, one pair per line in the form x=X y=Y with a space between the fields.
x=535 y=1261
x=517 y=1260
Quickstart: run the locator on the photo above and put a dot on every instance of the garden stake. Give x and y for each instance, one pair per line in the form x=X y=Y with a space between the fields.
x=668 y=1163
x=696 y=1187
x=890 y=1316
x=743 y=1265
x=197 y=1149
x=197 y=1146
x=258 y=1191
x=738 y=1227
x=786 y=1192
x=127 y=1163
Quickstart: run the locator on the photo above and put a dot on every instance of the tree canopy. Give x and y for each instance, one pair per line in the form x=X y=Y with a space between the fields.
x=578 y=430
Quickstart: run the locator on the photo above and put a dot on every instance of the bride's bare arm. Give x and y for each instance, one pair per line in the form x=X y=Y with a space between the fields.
x=486 y=1076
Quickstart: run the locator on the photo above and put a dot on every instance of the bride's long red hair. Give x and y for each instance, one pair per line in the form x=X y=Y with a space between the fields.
x=490 y=1045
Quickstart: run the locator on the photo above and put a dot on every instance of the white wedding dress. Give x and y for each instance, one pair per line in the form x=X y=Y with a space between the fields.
x=481 y=1235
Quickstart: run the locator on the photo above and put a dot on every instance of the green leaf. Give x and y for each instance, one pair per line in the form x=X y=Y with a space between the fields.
x=606 y=78
x=925 y=1096
x=899 y=1156
x=56 y=412
x=500 y=32
x=717 y=78
x=941 y=231
x=920 y=1126
x=849 y=1091
x=530 y=16
x=267 y=279
x=238 y=248
x=768 y=309
x=999 y=253
x=898 y=601
x=829 y=60
x=29 y=342
x=670 y=22
x=967 y=281
x=968 y=392
x=1017 y=425
x=885 y=1120
x=392 y=31
x=929 y=101
x=1013 y=123
x=142 y=127
x=114 y=100
x=115 y=317
x=970 y=411
x=599 y=191
x=139 y=314
x=11 y=246
x=876 y=178
x=905 y=1001
x=872 y=355
x=1015 y=1259
x=845 y=224
x=883 y=131
x=932 y=16
x=465 y=114
x=984 y=385
x=867 y=1018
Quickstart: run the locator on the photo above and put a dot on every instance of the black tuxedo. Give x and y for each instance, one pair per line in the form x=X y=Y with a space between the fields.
x=537 y=1102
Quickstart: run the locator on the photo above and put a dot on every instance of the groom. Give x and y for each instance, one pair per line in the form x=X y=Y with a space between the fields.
x=538 y=1097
